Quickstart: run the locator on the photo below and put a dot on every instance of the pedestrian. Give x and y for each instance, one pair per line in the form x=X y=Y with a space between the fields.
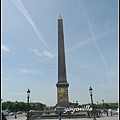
x=88 y=114
x=100 y=113
x=68 y=114
x=60 y=115
x=97 y=113
x=111 y=112
x=107 y=112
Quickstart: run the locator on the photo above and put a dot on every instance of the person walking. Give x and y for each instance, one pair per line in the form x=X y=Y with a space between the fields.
x=100 y=113
x=68 y=116
x=60 y=115
x=88 y=114
x=107 y=112
x=111 y=112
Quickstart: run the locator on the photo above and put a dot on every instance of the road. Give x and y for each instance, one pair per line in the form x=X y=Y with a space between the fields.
x=22 y=117
x=19 y=116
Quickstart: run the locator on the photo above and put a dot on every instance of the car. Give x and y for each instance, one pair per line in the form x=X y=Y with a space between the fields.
x=31 y=110
x=19 y=112
x=12 y=113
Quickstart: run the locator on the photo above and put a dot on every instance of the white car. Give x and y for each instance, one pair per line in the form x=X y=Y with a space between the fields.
x=31 y=110
x=12 y=113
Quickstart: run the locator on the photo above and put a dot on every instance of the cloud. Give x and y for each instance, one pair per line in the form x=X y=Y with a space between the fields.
x=100 y=86
x=14 y=93
x=25 y=13
x=44 y=53
x=74 y=47
x=89 y=40
x=5 y=48
x=84 y=10
x=29 y=71
x=11 y=80
x=113 y=73
x=103 y=86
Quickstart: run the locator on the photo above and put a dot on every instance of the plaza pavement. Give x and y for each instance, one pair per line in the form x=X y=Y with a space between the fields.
x=116 y=117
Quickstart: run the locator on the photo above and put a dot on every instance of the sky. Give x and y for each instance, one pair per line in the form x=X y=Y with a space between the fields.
x=30 y=50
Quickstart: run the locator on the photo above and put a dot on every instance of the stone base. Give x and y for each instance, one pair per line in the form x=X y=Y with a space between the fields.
x=55 y=115
x=63 y=116
x=58 y=108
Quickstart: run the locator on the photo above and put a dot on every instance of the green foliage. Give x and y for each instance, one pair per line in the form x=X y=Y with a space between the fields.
x=114 y=105
x=102 y=106
x=37 y=106
x=22 y=106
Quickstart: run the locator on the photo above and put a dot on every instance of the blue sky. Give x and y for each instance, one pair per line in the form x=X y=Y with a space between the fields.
x=30 y=47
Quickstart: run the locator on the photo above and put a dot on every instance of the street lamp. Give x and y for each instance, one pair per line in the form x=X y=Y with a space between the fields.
x=76 y=103
x=103 y=101
x=28 y=96
x=16 y=109
x=97 y=105
x=90 y=90
x=103 y=105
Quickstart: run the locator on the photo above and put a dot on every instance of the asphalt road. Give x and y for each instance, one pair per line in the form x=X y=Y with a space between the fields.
x=22 y=117
x=102 y=118
x=105 y=117
x=17 y=115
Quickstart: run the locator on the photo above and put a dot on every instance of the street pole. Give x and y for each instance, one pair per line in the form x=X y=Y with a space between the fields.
x=92 y=108
x=103 y=105
x=97 y=105
x=28 y=109
x=15 y=115
x=92 y=103
x=28 y=94
x=15 y=109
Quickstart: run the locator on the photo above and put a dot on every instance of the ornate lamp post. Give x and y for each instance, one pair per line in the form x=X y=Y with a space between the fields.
x=16 y=109
x=28 y=96
x=97 y=105
x=90 y=90
x=103 y=105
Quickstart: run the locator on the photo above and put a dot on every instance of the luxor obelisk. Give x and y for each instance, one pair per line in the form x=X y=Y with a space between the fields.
x=62 y=85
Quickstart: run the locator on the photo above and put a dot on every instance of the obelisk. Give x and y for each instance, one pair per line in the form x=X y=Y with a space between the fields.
x=62 y=85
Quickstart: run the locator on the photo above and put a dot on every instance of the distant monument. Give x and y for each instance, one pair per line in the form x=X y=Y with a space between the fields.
x=62 y=85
